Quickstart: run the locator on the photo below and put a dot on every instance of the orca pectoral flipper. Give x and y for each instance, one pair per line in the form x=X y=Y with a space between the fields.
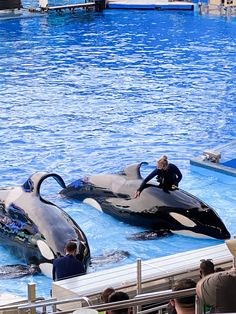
x=149 y=235
x=17 y=271
x=46 y=267
x=111 y=257
x=45 y=250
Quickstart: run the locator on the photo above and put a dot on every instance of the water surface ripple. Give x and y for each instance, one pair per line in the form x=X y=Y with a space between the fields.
x=88 y=93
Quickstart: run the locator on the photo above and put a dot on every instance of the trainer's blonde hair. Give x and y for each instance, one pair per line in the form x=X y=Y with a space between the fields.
x=163 y=162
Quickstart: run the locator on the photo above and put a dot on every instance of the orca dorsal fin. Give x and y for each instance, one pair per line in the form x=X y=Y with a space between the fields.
x=133 y=171
x=33 y=184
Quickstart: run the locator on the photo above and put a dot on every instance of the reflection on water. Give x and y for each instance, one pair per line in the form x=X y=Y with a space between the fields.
x=83 y=94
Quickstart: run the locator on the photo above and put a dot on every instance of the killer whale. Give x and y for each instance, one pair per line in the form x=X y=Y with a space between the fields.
x=177 y=211
x=18 y=271
x=27 y=221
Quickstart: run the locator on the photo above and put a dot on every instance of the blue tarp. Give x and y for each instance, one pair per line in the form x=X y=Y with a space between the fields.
x=230 y=163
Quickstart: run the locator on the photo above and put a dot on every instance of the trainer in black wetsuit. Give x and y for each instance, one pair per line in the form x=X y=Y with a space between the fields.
x=168 y=175
x=68 y=265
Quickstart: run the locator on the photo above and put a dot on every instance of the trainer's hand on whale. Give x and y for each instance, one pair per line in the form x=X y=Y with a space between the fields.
x=174 y=187
x=136 y=194
x=167 y=175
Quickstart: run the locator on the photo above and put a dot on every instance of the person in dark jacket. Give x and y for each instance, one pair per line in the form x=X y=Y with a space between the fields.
x=168 y=175
x=68 y=265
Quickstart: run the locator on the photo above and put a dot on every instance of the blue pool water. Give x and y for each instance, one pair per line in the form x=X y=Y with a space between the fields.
x=89 y=93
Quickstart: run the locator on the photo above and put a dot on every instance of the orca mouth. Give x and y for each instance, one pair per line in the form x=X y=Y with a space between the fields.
x=222 y=234
x=198 y=226
x=214 y=230
x=202 y=234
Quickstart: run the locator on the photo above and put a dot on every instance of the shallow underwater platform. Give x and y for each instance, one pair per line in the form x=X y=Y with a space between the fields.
x=150 y=5
x=156 y=275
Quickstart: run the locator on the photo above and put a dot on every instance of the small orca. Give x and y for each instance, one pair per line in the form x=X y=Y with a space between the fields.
x=34 y=229
x=176 y=211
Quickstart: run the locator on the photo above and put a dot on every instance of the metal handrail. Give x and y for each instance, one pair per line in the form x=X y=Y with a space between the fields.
x=15 y=305
x=53 y=303
x=157 y=309
x=155 y=297
x=142 y=299
x=181 y=271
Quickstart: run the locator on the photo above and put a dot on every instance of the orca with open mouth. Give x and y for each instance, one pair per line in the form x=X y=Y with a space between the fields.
x=176 y=211
x=36 y=230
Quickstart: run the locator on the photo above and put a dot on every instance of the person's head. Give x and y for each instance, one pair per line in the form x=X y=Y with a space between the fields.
x=106 y=293
x=71 y=248
x=162 y=163
x=116 y=297
x=218 y=291
x=206 y=268
x=184 y=304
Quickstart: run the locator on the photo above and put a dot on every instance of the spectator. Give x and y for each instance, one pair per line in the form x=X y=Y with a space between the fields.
x=218 y=291
x=105 y=295
x=183 y=305
x=116 y=297
x=68 y=265
x=206 y=268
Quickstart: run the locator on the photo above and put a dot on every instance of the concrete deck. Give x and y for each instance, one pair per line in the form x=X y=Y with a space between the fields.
x=224 y=162
x=87 y=5
x=199 y=162
x=8 y=298
x=150 y=5
x=157 y=275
